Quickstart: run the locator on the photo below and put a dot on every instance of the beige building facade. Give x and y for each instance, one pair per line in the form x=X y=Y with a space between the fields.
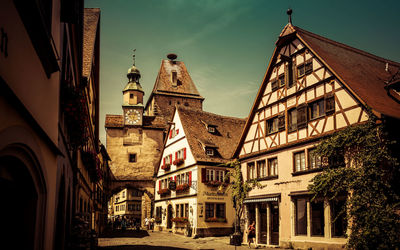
x=311 y=89
x=191 y=188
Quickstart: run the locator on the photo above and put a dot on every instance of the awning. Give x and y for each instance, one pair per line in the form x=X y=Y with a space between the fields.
x=264 y=199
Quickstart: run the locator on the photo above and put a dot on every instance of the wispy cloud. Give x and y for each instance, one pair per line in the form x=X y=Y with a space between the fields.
x=224 y=14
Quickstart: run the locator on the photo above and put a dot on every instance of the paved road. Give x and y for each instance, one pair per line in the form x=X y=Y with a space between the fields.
x=129 y=240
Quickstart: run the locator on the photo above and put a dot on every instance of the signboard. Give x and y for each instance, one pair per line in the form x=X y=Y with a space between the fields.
x=172 y=185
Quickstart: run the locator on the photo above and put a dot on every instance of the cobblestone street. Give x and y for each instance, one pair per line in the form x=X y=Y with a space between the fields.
x=163 y=240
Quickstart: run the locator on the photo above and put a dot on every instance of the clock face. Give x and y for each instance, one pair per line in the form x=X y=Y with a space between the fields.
x=132 y=116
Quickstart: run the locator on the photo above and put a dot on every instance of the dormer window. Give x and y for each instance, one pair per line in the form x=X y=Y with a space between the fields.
x=210 y=151
x=211 y=129
x=174 y=78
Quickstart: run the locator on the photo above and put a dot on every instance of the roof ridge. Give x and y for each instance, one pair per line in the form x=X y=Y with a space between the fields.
x=209 y=113
x=345 y=46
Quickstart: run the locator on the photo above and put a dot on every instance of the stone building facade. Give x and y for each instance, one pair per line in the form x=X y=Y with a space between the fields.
x=135 y=139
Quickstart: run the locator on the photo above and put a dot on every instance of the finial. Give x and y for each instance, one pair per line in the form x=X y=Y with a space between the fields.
x=172 y=56
x=289 y=12
x=134 y=55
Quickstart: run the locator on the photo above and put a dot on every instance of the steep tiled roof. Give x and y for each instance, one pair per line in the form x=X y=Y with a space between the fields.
x=90 y=22
x=363 y=73
x=114 y=121
x=225 y=139
x=185 y=86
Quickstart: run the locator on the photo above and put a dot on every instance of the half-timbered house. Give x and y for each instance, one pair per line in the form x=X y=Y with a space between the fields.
x=312 y=87
x=191 y=188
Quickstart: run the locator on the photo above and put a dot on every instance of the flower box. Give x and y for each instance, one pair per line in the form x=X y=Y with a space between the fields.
x=182 y=188
x=214 y=219
x=166 y=167
x=180 y=220
x=164 y=191
x=179 y=162
x=216 y=183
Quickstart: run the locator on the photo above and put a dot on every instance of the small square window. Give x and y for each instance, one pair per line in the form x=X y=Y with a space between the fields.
x=130 y=96
x=211 y=129
x=132 y=157
x=281 y=80
x=210 y=151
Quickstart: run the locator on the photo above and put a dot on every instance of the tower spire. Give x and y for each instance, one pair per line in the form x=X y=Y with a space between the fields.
x=134 y=57
x=289 y=12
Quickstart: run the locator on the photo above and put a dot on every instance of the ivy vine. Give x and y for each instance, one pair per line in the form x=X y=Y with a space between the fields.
x=360 y=162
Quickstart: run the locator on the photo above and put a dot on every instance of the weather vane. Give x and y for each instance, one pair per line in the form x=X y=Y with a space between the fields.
x=289 y=12
x=134 y=52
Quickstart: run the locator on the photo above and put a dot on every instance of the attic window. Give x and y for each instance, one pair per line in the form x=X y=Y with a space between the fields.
x=305 y=68
x=210 y=151
x=174 y=78
x=211 y=129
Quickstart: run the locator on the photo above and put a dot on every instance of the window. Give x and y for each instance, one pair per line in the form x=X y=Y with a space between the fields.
x=215 y=210
x=272 y=125
x=210 y=151
x=281 y=122
x=211 y=129
x=123 y=194
x=177 y=211
x=317 y=109
x=158 y=212
x=251 y=172
x=274 y=85
x=314 y=161
x=130 y=96
x=292 y=120
x=317 y=218
x=261 y=169
x=302 y=116
x=215 y=175
x=299 y=161
x=330 y=104
x=291 y=69
x=273 y=167
x=281 y=80
x=132 y=157
x=300 y=216
x=209 y=210
x=174 y=78
x=338 y=218
x=305 y=68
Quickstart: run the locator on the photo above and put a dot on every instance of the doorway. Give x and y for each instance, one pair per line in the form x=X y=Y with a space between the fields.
x=263 y=223
x=274 y=223
x=169 y=217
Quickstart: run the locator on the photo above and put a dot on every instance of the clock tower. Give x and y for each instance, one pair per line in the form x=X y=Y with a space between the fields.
x=133 y=99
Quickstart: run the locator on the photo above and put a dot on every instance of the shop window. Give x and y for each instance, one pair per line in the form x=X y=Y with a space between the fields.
x=300 y=216
x=314 y=160
x=251 y=171
x=272 y=125
x=317 y=218
x=210 y=210
x=299 y=161
x=273 y=167
x=338 y=218
x=215 y=210
x=317 y=109
x=261 y=169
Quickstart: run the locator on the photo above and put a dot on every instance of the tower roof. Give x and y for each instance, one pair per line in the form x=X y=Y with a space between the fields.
x=133 y=86
x=184 y=87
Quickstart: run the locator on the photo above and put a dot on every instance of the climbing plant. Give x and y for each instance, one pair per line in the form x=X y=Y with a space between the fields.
x=360 y=161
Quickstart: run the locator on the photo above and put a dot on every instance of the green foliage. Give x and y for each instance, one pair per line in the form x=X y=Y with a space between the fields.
x=239 y=187
x=369 y=174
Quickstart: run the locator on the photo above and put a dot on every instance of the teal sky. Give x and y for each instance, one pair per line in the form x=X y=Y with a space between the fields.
x=225 y=44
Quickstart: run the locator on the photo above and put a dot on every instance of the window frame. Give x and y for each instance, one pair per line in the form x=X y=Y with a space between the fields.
x=254 y=173
x=132 y=158
x=264 y=168
x=311 y=110
x=296 y=220
x=304 y=68
x=269 y=161
x=294 y=161
x=292 y=127
x=309 y=159
x=272 y=120
x=215 y=213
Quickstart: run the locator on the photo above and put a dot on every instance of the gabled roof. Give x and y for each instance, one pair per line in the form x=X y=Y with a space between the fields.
x=198 y=137
x=185 y=86
x=91 y=19
x=362 y=73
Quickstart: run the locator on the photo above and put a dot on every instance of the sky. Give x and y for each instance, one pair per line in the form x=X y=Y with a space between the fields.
x=226 y=45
